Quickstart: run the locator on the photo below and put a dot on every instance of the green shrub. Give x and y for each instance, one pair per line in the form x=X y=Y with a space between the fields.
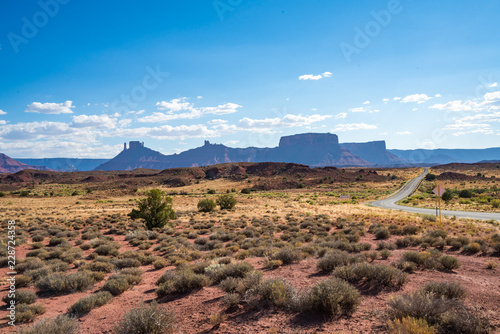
x=226 y=202
x=160 y=263
x=86 y=304
x=449 y=262
x=332 y=297
x=21 y=297
x=155 y=210
x=448 y=290
x=206 y=205
x=180 y=281
x=58 y=283
x=276 y=292
x=246 y=191
x=382 y=233
x=127 y=263
x=332 y=260
x=418 y=305
x=287 y=255
x=61 y=324
x=148 y=320
x=465 y=193
x=26 y=313
x=116 y=285
x=99 y=266
x=374 y=275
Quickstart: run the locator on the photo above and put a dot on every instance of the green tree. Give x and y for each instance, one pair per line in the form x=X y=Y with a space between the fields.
x=430 y=177
x=156 y=209
x=226 y=202
x=447 y=196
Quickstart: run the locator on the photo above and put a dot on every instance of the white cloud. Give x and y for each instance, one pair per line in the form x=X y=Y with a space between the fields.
x=51 y=108
x=457 y=105
x=396 y=98
x=414 y=109
x=489 y=97
x=94 y=121
x=493 y=85
x=2 y=112
x=315 y=77
x=403 y=133
x=2 y=122
x=385 y=100
x=358 y=109
x=341 y=115
x=288 y=121
x=46 y=130
x=199 y=97
x=231 y=143
x=354 y=126
x=136 y=112
x=217 y=121
x=124 y=123
x=366 y=102
x=418 y=98
x=180 y=132
x=177 y=105
x=363 y=109
x=437 y=95
x=59 y=148
x=116 y=115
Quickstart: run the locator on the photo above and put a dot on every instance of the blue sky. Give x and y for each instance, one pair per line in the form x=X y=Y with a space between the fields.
x=79 y=78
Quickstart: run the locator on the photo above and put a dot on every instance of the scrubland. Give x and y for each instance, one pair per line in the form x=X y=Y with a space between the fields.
x=287 y=260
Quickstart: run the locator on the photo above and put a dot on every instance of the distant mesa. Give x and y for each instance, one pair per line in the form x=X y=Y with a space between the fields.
x=312 y=149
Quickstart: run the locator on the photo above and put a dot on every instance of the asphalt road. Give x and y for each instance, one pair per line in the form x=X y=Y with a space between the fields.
x=410 y=187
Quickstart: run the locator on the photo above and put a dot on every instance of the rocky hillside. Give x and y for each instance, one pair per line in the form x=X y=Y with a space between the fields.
x=9 y=165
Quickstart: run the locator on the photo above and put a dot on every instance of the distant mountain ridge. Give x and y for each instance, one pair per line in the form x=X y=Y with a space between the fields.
x=9 y=165
x=445 y=156
x=312 y=149
x=65 y=164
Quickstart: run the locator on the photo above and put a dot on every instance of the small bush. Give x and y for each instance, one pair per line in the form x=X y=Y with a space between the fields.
x=116 y=286
x=409 y=325
x=374 y=275
x=276 y=292
x=491 y=264
x=418 y=305
x=180 y=281
x=61 y=324
x=332 y=260
x=287 y=255
x=382 y=233
x=226 y=202
x=127 y=263
x=148 y=320
x=86 y=304
x=160 y=263
x=449 y=262
x=58 y=283
x=21 y=297
x=333 y=296
x=206 y=205
x=448 y=290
